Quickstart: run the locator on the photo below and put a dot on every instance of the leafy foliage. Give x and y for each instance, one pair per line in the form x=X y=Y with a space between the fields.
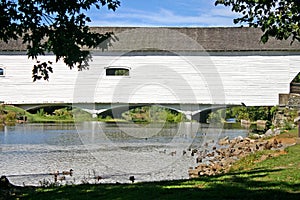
x=53 y=26
x=63 y=113
x=7 y=116
x=216 y=116
x=276 y=18
x=41 y=112
x=251 y=113
x=153 y=114
x=297 y=79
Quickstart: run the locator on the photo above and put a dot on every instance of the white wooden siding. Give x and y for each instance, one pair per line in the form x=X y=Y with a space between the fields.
x=253 y=80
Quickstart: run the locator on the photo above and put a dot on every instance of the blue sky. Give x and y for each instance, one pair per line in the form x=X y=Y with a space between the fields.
x=190 y=13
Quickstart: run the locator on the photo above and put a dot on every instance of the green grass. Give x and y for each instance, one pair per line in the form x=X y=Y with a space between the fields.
x=273 y=178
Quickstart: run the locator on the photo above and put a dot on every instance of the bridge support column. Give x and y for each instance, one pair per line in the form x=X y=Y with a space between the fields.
x=188 y=115
x=93 y=112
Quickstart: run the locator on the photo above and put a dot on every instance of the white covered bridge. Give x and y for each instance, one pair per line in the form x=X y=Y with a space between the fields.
x=191 y=70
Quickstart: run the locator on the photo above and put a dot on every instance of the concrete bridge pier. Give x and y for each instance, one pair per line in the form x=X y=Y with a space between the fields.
x=188 y=114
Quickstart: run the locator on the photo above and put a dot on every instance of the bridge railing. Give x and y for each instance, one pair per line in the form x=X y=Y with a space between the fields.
x=295 y=88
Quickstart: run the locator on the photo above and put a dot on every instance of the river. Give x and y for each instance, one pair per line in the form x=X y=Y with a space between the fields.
x=114 y=152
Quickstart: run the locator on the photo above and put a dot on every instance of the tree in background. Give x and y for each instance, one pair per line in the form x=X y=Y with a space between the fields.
x=276 y=18
x=252 y=113
x=53 y=26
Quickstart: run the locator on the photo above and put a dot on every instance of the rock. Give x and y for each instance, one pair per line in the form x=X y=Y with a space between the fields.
x=249 y=141
x=212 y=154
x=224 y=141
x=256 y=147
x=232 y=144
x=193 y=173
x=262 y=136
x=239 y=139
x=226 y=138
x=221 y=159
x=267 y=146
x=269 y=133
x=255 y=136
x=245 y=123
x=275 y=142
x=261 y=124
x=201 y=174
x=4 y=183
x=276 y=131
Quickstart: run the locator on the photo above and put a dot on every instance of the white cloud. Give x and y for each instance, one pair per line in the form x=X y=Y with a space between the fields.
x=216 y=16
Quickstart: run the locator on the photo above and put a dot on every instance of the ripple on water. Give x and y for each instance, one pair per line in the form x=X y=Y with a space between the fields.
x=31 y=159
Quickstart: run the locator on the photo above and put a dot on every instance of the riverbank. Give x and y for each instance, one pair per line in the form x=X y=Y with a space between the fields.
x=267 y=174
x=215 y=160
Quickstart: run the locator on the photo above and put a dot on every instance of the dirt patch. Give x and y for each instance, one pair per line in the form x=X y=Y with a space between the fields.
x=285 y=140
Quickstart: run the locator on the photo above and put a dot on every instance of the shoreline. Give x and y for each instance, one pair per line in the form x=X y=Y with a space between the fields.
x=204 y=186
x=220 y=160
x=213 y=161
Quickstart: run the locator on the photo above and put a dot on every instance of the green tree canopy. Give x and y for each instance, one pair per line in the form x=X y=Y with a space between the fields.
x=57 y=26
x=276 y=18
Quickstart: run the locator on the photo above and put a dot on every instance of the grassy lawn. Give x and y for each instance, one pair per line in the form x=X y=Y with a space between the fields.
x=264 y=175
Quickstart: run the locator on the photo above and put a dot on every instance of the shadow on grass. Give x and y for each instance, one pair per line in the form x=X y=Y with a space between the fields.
x=244 y=185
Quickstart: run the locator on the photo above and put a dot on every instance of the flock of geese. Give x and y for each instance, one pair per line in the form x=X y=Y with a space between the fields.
x=61 y=176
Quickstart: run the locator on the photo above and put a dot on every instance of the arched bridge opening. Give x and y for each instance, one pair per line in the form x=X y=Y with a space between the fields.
x=47 y=108
x=202 y=116
x=143 y=113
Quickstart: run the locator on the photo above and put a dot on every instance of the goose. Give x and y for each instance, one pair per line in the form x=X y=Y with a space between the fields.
x=59 y=178
x=164 y=151
x=199 y=159
x=54 y=173
x=98 y=178
x=132 y=179
x=68 y=172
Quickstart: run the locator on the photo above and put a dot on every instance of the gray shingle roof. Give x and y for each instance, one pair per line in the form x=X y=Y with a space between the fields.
x=215 y=39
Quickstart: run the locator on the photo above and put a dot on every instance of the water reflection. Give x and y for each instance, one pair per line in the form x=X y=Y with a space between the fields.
x=110 y=150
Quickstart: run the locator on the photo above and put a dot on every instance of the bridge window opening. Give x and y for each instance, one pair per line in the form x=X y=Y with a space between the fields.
x=1 y=71
x=117 y=71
